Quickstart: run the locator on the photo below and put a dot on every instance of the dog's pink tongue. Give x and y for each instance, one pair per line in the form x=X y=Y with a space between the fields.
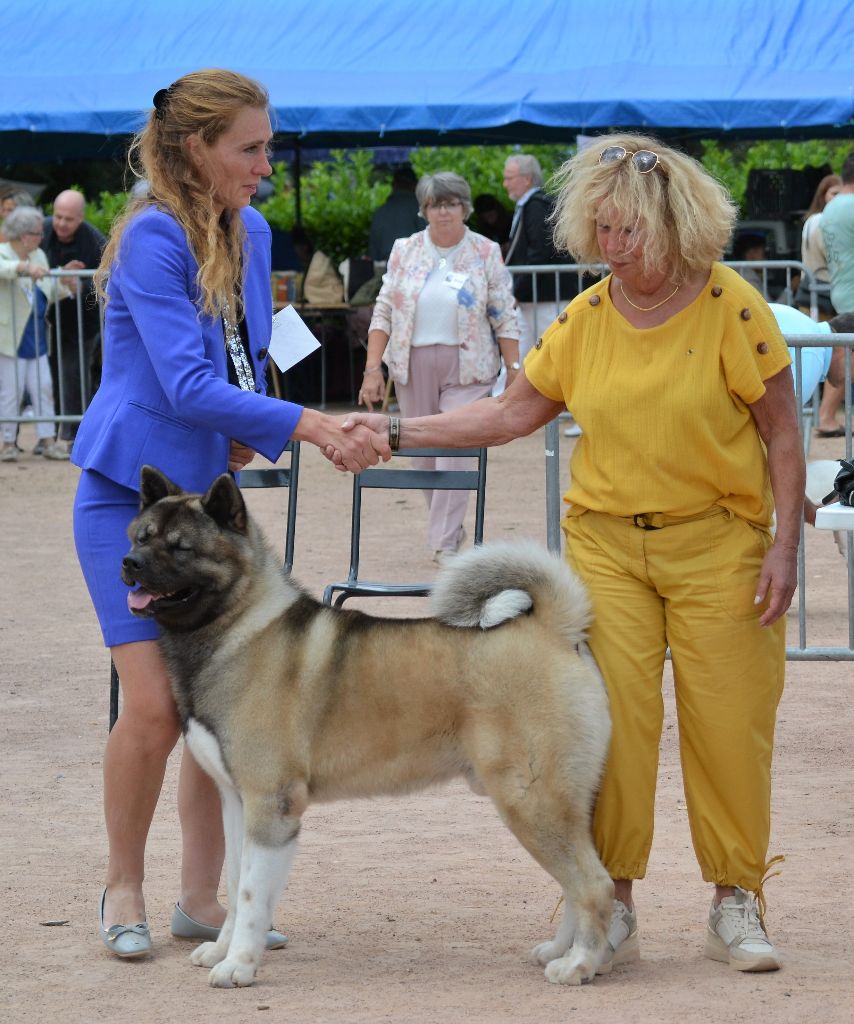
x=139 y=599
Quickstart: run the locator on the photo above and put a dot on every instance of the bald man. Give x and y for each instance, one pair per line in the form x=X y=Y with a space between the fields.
x=72 y=243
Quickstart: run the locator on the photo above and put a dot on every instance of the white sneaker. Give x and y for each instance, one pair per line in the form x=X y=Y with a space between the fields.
x=56 y=451
x=736 y=937
x=622 y=946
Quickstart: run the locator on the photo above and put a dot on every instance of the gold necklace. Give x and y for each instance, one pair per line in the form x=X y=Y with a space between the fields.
x=648 y=309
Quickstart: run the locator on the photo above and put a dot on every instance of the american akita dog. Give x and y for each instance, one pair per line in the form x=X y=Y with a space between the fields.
x=285 y=702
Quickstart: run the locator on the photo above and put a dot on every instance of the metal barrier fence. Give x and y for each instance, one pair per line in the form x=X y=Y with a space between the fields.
x=80 y=355
x=802 y=651
x=73 y=362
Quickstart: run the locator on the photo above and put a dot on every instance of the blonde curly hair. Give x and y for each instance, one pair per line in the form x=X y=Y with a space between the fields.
x=683 y=216
x=203 y=103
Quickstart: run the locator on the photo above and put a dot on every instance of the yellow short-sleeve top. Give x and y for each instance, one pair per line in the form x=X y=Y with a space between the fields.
x=664 y=410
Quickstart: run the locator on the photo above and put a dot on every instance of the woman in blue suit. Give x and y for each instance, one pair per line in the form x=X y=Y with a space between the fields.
x=186 y=279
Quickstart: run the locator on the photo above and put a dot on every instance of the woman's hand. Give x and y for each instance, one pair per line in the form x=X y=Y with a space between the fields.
x=376 y=422
x=778 y=577
x=239 y=455
x=372 y=389
x=35 y=271
x=354 y=448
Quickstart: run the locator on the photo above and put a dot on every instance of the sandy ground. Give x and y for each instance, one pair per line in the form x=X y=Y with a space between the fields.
x=416 y=910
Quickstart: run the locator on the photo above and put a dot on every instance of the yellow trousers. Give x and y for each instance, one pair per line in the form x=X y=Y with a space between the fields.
x=690 y=586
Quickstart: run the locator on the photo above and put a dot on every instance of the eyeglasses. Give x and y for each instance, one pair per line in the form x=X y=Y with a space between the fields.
x=644 y=160
x=451 y=204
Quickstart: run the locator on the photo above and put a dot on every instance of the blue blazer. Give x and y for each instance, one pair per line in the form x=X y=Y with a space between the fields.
x=164 y=398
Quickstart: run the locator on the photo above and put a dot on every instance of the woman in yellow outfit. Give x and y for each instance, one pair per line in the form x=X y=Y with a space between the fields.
x=676 y=371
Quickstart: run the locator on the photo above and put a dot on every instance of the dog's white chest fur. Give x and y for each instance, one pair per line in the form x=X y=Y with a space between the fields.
x=207 y=751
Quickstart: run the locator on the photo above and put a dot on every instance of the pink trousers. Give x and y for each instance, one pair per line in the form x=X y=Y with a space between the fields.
x=434 y=386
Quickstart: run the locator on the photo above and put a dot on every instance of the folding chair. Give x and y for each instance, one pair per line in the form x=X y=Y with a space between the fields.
x=280 y=476
x=408 y=479
x=275 y=476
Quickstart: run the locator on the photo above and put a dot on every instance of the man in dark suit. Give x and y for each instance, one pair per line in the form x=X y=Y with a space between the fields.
x=70 y=242
x=531 y=244
x=397 y=217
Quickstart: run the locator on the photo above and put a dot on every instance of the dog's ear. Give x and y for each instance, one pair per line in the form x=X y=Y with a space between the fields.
x=153 y=486
x=224 y=504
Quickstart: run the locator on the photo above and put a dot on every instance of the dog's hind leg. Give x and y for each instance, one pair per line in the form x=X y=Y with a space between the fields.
x=589 y=893
x=210 y=953
x=269 y=846
x=558 y=838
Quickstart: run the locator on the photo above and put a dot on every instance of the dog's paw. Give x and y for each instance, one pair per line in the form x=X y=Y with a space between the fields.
x=233 y=972
x=569 y=970
x=208 y=954
x=545 y=952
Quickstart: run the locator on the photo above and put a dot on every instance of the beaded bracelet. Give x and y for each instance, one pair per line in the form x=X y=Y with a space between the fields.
x=394 y=433
x=372 y=369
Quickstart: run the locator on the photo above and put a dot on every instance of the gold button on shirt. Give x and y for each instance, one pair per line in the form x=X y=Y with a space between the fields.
x=665 y=413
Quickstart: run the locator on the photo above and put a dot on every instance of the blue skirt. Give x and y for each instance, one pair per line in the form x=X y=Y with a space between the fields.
x=102 y=513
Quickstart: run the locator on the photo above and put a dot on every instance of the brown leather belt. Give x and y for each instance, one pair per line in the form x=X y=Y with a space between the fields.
x=658 y=520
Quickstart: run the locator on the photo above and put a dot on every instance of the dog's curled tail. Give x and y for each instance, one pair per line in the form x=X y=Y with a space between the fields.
x=488 y=585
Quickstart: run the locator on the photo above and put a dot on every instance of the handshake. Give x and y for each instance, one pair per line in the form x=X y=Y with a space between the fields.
x=351 y=443
x=357 y=440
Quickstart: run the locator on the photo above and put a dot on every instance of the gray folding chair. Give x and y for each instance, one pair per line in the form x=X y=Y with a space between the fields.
x=408 y=479
x=280 y=476
x=275 y=476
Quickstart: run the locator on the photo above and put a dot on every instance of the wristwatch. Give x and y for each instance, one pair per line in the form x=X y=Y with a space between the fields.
x=515 y=366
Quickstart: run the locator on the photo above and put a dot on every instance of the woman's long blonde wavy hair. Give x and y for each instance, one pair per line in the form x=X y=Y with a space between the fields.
x=204 y=103
x=681 y=213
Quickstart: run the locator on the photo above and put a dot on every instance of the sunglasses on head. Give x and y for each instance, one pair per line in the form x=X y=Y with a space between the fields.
x=644 y=160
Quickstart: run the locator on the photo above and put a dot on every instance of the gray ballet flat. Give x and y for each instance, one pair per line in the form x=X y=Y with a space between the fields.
x=185 y=927
x=124 y=940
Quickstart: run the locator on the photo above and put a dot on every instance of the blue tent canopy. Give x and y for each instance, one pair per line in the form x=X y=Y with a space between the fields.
x=450 y=70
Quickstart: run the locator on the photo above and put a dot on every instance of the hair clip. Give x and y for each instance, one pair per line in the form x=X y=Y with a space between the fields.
x=161 y=99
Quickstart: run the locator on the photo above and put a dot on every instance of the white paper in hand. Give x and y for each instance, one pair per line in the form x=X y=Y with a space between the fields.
x=291 y=340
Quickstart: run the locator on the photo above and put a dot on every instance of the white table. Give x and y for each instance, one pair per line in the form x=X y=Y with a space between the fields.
x=834 y=517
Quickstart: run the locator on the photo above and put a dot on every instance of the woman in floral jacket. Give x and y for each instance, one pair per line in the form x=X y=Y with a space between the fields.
x=443 y=320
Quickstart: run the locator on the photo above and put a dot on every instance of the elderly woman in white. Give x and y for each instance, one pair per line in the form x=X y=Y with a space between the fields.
x=25 y=290
x=443 y=320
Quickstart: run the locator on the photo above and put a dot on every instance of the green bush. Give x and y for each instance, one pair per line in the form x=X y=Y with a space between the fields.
x=338 y=199
x=102 y=212
x=483 y=166
x=340 y=196
x=732 y=164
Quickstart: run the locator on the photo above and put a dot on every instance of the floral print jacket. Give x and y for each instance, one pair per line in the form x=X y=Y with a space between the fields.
x=486 y=309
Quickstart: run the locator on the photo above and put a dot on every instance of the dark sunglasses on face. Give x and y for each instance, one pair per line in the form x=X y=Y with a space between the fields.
x=644 y=160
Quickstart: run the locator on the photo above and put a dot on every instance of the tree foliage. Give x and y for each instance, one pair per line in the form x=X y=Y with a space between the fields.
x=339 y=196
x=732 y=164
x=104 y=210
x=483 y=166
